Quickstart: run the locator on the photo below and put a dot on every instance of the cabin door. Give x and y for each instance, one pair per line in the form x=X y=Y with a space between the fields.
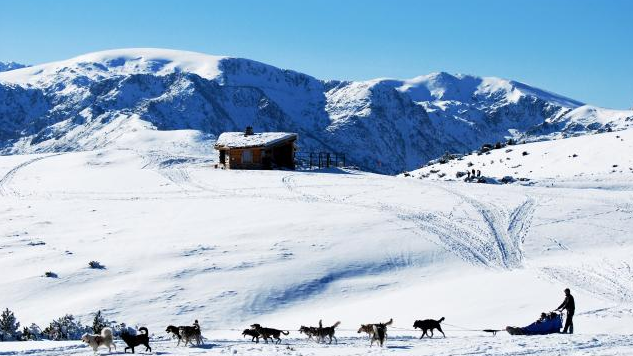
x=247 y=156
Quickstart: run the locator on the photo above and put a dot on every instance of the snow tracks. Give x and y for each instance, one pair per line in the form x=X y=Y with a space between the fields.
x=5 y=189
x=495 y=243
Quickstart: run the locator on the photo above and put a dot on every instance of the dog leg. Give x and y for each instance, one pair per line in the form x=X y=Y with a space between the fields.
x=440 y=330
x=431 y=331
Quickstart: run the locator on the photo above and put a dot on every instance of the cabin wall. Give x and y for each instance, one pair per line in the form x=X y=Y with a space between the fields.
x=234 y=160
x=280 y=156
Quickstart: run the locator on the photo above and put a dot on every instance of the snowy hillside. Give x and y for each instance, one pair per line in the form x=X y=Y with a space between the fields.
x=382 y=125
x=601 y=160
x=181 y=240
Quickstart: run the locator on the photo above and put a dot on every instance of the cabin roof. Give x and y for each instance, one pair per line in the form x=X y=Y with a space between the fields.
x=262 y=139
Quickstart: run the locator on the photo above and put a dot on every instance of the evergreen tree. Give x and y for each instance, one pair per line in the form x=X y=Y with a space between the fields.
x=8 y=325
x=98 y=323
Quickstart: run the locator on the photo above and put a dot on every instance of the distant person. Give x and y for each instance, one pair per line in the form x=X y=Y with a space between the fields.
x=569 y=305
x=478 y=173
x=473 y=172
x=468 y=174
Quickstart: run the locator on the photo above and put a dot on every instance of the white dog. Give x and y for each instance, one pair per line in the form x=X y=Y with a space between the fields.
x=105 y=339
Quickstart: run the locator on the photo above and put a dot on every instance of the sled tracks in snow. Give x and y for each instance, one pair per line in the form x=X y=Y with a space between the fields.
x=5 y=190
x=498 y=243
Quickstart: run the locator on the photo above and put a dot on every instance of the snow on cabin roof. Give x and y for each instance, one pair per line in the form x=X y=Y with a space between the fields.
x=238 y=139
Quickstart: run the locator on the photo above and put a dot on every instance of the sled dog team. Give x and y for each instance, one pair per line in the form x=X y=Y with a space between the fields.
x=188 y=334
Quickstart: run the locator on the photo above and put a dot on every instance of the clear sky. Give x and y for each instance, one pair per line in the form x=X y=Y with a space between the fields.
x=582 y=49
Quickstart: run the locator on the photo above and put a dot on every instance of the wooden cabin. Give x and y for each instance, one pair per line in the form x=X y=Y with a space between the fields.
x=250 y=150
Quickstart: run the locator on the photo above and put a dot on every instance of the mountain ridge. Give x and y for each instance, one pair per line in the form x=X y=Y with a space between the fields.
x=383 y=125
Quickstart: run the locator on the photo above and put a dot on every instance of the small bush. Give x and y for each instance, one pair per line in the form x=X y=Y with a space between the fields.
x=525 y=153
x=32 y=333
x=96 y=265
x=65 y=328
x=50 y=274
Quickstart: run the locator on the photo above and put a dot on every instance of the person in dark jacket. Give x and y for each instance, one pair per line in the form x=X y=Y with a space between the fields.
x=569 y=305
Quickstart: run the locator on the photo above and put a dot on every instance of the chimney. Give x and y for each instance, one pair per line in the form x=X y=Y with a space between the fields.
x=249 y=131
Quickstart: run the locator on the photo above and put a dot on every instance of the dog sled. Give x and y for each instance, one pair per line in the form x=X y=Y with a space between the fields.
x=550 y=323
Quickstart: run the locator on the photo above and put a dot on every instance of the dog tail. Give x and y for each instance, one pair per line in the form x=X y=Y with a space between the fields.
x=143 y=329
x=285 y=332
x=336 y=324
x=106 y=333
x=389 y=322
x=441 y=320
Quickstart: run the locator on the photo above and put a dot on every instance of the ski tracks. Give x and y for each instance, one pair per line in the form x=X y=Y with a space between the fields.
x=495 y=243
x=499 y=243
x=5 y=181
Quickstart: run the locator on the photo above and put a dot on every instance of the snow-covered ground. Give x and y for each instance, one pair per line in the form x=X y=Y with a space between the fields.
x=181 y=240
x=594 y=161
x=553 y=345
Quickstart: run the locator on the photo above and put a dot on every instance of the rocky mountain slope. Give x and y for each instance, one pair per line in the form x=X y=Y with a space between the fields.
x=382 y=125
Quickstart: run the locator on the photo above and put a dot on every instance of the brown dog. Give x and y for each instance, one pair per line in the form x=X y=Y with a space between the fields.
x=376 y=332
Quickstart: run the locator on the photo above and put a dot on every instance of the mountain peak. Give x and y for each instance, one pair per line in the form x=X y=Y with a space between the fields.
x=7 y=66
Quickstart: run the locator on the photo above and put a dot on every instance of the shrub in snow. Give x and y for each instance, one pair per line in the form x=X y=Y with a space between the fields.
x=446 y=157
x=50 y=274
x=32 y=332
x=460 y=174
x=66 y=328
x=507 y=179
x=485 y=147
x=9 y=326
x=525 y=153
x=96 y=265
x=511 y=142
x=498 y=145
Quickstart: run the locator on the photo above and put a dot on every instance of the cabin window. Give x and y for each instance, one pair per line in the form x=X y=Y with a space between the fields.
x=247 y=156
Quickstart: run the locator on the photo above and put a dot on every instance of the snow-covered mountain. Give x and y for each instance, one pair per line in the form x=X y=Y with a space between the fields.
x=383 y=125
x=6 y=66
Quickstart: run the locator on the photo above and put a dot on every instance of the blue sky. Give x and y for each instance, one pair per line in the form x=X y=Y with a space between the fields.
x=582 y=49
